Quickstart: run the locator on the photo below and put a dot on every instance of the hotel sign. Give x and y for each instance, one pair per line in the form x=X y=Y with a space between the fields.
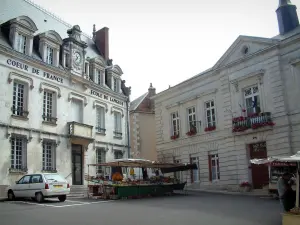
x=25 y=67
x=106 y=97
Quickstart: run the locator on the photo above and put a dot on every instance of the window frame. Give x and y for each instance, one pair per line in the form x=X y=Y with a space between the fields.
x=117 y=124
x=252 y=96
x=100 y=122
x=214 y=157
x=49 y=117
x=23 y=112
x=193 y=122
x=213 y=118
x=52 y=167
x=177 y=123
x=22 y=48
x=22 y=166
x=50 y=51
x=195 y=159
x=100 y=169
x=116 y=152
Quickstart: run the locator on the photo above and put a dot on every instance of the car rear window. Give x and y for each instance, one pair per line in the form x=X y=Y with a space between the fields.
x=54 y=178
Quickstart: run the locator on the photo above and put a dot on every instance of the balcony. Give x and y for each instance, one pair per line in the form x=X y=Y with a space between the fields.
x=255 y=121
x=80 y=133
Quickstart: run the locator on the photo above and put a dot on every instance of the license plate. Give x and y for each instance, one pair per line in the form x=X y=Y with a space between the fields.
x=57 y=186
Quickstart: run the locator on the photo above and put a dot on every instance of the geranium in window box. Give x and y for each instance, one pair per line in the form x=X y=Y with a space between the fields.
x=175 y=136
x=245 y=186
x=239 y=129
x=212 y=128
x=191 y=132
x=262 y=124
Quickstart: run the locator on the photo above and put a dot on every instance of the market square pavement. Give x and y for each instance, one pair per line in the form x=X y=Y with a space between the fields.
x=199 y=208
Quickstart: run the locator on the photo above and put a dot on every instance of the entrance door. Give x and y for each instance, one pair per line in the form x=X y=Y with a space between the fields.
x=260 y=173
x=77 y=110
x=77 y=165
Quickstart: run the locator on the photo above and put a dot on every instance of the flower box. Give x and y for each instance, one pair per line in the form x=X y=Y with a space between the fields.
x=175 y=136
x=207 y=129
x=191 y=132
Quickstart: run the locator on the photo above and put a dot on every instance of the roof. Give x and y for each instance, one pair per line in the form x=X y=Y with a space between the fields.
x=44 y=20
x=135 y=103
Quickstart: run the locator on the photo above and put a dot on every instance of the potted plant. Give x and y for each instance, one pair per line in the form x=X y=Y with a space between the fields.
x=245 y=186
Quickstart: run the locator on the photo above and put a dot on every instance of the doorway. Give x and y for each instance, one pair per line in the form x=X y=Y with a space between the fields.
x=77 y=165
x=260 y=173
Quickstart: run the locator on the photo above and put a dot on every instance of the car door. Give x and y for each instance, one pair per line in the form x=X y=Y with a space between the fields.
x=22 y=187
x=36 y=184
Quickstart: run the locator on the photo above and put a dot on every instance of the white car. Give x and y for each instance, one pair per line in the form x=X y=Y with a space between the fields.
x=40 y=186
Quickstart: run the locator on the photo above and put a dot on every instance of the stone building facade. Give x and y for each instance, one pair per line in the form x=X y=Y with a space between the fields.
x=142 y=126
x=243 y=107
x=63 y=102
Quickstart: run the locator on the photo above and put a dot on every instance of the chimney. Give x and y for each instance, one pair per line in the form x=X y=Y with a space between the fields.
x=151 y=91
x=94 y=32
x=102 y=42
x=287 y=16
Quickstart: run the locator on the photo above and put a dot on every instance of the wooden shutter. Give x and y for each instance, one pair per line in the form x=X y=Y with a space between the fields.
x=209 y=167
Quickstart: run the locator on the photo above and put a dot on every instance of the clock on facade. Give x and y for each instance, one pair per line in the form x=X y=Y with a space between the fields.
x=77 y=58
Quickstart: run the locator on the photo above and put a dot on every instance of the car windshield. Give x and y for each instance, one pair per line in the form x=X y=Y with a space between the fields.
x=54 y=178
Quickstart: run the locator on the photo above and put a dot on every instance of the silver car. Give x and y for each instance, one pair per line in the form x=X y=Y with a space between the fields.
x=40 y=186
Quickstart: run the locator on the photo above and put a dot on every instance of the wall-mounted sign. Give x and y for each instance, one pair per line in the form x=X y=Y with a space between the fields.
x=106 y=97
x=25 y=67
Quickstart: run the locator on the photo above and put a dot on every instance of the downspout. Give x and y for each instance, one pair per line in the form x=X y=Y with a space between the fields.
x=128 y=134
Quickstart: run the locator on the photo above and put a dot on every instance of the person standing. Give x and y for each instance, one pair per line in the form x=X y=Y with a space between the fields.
x=282 y=187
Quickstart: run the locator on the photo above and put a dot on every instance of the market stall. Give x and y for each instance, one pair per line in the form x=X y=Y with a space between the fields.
x=118 y=185
x=293 y=216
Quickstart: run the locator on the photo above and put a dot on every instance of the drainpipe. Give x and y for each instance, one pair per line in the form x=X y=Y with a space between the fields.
x=128 y=134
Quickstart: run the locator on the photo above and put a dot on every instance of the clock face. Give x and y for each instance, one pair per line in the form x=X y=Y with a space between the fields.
x=77 y=58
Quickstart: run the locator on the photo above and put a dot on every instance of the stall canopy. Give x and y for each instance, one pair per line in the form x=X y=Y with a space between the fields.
x=179 y=168
x=138 y=163
x=288 y=159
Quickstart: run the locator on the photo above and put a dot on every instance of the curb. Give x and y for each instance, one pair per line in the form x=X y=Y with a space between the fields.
x=229 y=193
x=3 y=199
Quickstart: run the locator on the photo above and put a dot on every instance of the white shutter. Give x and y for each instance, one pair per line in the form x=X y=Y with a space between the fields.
x=116 y=121
x=18 y=42
x=102 y=118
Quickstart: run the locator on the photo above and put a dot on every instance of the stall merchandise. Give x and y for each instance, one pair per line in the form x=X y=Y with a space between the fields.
x=121 y=187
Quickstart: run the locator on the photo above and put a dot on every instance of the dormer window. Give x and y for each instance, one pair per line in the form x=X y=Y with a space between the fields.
x=49 y=47
x=115 y=84
x=21 y=32
x=21 y=43
x=98 y=78
x=49 y=55
x=67 y=60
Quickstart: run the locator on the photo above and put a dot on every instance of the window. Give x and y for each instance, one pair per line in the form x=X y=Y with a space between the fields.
x=101 y=154
x=18 y=153
x=175 y=123
x=67 y=60
x=118 y=154
x=86 y=68
x=115 y=83
x=191 y=118
x=118 y=124
x=195 y=172
x=178 y=174
x=48 y=107
x=24 y=180
x=210 y=114
x=100 y=119
x=49 y=55
x=19 y=99
x=252 y=100
x=21 y=43
x=214 y=170
x=35 y=179
x=49 y=158
x=98 y=77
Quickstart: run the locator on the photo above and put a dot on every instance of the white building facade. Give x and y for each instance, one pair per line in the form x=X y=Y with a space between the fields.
x=63 y=104
x=244 y=107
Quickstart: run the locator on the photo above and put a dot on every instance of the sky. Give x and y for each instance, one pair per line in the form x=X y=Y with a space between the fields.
x=165 y=42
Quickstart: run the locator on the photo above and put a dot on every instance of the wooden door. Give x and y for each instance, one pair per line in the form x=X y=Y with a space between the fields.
x=260 y=173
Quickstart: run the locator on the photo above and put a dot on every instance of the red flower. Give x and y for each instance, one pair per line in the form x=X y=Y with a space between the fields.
x=209 y=128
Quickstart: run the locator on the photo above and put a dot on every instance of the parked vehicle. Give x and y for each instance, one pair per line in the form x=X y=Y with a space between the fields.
x=40 y=186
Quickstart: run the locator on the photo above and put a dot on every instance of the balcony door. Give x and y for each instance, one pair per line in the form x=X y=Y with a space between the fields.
x=77 y=110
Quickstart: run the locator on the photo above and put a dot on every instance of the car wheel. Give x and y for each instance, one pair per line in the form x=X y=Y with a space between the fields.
x=10 y=195
x=62 y=198
x=39 y=197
